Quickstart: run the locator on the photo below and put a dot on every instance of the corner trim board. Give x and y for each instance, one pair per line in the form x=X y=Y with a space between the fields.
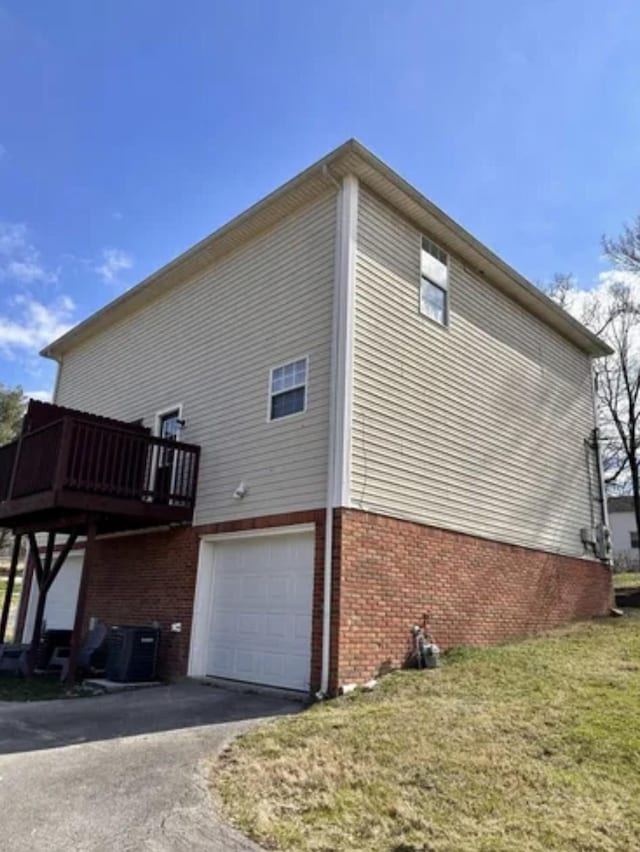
x=341 y=394
x=344 y=319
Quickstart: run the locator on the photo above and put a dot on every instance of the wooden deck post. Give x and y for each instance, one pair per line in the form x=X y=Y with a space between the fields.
x=76 y=638
x=42 y=572
x=15 y=556
x=46 y=573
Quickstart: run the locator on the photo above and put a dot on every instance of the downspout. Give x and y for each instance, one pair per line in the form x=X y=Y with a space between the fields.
x=56 y=384
x=339 y=450
x=604 y=510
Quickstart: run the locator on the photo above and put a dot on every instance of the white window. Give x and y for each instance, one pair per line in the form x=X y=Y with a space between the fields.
x=434 y=282
x=288 y=389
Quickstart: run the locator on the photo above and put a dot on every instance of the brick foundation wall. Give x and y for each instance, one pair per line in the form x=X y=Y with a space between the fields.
x=137 y=579
x=392 y=573
x=387 y=575
x=147 y=577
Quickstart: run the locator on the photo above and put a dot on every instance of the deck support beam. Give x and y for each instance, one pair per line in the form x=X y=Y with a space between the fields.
x=45 y=573
x=76 y=638
x=15 y=556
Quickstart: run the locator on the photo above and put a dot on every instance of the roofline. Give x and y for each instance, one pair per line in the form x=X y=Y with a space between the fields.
x=187 y=262
x=58 y=346
x=595 y=345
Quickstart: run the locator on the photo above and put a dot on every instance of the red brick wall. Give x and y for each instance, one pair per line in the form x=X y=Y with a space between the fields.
x=147 y=577
x=474 y=591
x=387 y=575
x=137 y=579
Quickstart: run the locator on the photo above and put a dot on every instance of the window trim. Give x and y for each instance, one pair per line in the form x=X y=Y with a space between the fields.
x=155 y=458
x=163 y=413
x=286 y=363
x=425 y=281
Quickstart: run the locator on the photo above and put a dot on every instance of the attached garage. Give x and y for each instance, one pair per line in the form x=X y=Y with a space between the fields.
x=60 y=608
x=253 y=607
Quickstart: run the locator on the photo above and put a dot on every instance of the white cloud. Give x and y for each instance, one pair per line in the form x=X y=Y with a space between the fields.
x=580 y=302
x=19 y=259
x=41 y=395
x=13 y=238
x=33 y=324
x=114 y=261
x=615 y=276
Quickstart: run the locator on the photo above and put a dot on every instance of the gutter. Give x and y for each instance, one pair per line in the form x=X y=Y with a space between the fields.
x=604 y=509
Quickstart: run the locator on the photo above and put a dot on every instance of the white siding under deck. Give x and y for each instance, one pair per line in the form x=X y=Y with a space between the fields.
x=208 y=344
x=478 y=427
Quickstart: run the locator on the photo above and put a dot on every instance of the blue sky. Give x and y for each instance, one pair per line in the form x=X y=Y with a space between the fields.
x=129 y=130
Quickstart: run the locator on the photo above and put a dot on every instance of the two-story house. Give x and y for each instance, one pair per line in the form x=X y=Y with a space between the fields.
x=394 y=427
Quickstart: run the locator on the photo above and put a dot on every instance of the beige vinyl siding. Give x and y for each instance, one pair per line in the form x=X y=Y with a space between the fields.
x=208 y=344
x=478 y=427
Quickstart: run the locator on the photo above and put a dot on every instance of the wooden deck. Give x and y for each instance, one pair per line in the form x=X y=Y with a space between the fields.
x=78 y=468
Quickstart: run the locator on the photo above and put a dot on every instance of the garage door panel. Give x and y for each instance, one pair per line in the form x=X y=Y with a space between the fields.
x=303 y=589
x=279 y=589
x=301 y=627
x=260 y=627
x=224 y=624
x=298 y=668
x=254 y=590
x=274 y=666
x=249 y=625
x=230 y=587
x=247 y=664
x=224 y=660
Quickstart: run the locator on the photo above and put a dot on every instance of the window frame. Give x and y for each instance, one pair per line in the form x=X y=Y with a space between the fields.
x=634 y=537
x=426 y=282
x=160 y=415
x=270 y=393
x=160 y=452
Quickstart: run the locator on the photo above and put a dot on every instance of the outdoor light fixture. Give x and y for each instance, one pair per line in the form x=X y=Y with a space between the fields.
x=241 y=491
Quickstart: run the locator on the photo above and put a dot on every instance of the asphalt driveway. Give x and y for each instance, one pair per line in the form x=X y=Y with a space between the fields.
x=126 y=772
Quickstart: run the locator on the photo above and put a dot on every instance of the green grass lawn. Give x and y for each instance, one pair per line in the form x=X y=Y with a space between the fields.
x=16 y=590
x=37 y=688
x=626 y=579
x=41 y=687
x=529 y=746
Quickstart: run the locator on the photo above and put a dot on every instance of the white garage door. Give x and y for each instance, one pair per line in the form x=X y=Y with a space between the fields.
x=260 y=616
x=60 y=608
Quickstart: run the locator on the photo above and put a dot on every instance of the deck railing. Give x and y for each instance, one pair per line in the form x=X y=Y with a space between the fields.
x=7 y=460
x=72 y=454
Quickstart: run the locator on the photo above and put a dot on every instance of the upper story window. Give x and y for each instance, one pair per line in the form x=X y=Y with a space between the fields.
x=633 y=536
x=288 y=389
x=434 y=282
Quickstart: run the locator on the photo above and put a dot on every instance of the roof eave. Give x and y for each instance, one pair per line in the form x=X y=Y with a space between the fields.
x=556 y=316
x=317 y=172
x=350 y=156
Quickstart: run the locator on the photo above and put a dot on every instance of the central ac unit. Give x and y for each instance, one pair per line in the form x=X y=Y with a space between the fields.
x=133 y=654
